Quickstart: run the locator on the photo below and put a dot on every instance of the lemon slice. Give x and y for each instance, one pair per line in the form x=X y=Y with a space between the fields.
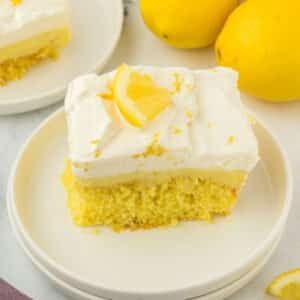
x=138 y=97
x=286 y=286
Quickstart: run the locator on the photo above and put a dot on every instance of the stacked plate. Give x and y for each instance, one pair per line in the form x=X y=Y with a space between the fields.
x=193 y=260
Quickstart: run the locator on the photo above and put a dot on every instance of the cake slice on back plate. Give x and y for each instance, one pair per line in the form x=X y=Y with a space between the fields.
x=30 y=32
x=152 y=146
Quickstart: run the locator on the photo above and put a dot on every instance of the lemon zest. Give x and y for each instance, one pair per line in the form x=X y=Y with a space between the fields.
x=95 y=142
x=177 y=83
x=177 y=130
x=188 y=114
x=97 y=153
x=108 y=95
x=189 y=87
x=230 y=140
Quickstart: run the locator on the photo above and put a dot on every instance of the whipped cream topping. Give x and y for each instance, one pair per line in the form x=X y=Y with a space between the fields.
x=29 y=18
x=205 y=128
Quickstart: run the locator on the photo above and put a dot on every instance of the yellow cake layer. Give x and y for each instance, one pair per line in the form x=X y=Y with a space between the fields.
x=16 y=59
x=140 y=204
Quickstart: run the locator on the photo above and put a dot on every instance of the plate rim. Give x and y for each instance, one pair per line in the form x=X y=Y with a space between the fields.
x=55 y=95
x=280 y=224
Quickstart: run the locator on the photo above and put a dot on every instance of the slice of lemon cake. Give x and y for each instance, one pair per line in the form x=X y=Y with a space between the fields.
x=153 y=146
x=30 y=31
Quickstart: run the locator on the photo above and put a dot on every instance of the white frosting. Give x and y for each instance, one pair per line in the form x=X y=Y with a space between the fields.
x=217 y=136
x=29 y=18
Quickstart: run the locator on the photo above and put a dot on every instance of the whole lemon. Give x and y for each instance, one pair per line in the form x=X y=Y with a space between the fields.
x=188 y=23
x=261 y=40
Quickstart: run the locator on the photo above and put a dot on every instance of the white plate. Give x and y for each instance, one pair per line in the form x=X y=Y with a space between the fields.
x=75 y=293
x=187 y=261
x=96 y=27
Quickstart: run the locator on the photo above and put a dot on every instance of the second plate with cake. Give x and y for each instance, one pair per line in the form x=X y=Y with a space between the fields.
x=33 y=32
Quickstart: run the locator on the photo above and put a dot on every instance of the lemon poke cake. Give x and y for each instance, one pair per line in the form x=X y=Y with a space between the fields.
x=152 y=146
x=30 y=32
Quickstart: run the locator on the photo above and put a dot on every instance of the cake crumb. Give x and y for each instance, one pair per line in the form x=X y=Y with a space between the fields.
x=230 y=140
x=188 y=114
x=116 y=228
x=210 y=125
x=174 y=222
x=95 y=231
x=95 y=142
x=97 y=153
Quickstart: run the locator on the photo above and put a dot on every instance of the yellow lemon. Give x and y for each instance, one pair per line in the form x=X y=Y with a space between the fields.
x=261 y=40
x=188 y=23
x=286 y=286
x=138 y=97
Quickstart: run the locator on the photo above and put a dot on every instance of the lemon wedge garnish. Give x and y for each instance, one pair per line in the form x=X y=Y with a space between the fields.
x=138 y=97
x=286 y=286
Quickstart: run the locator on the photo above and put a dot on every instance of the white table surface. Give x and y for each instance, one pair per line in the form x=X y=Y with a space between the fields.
x=138 y=46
